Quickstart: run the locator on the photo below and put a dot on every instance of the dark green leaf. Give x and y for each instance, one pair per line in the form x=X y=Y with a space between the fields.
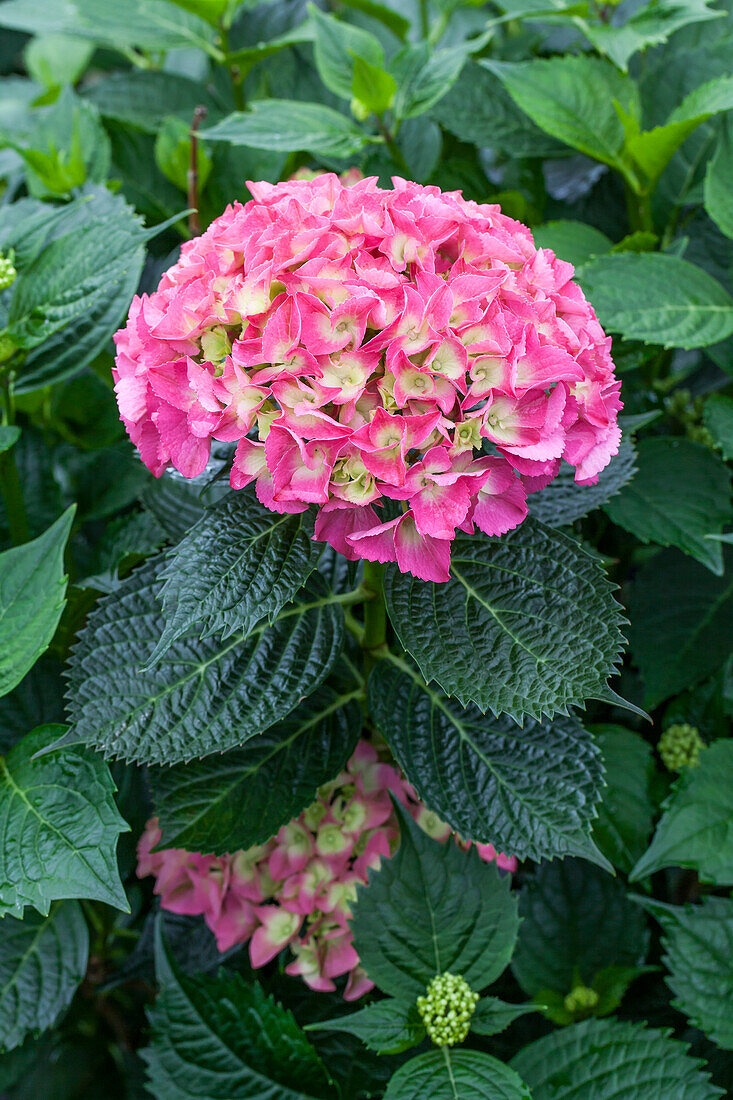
x=388 y=1027
x=455 y=1075
x=43 y=960
x=659 y=299
x=529 y=790
x=336 y=45
x=286 y=126
x=576 y=920
x=563 y=501
x=679 y=497
x=698 y=952
x=218 y=1037
x=424 y=76
x=649 y=25
x=144 y=97
x=718 y=418
x=718 y=197
x=625 y=813
x=433 y=908
x=608 y=1060
x=527 y=624
x=492 y=1015
x=239 y=565
x=242 y=797
x=9 y=436
x=58 y=826
x=681 y=623
x=575 y=242
x=696 y=829
x=203 y=696
x=32 y=592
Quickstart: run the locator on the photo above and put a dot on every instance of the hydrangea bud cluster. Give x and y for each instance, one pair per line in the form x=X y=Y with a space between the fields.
x=296 y=890
x=581 y=1001
x=8 y=274
x=447 y=1008
x=405 y=360
x=680 y=746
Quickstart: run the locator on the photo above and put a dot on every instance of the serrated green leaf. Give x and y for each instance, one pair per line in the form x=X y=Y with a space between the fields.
x=282 y=125
x=32 y=596
x=58 y=826
x=572 y=241
x=679 y=497
x=681 y=623
x=707 y=99
x=526 y=625
x=563 y=501
x=492 y=1015
x=424 y=76
x=698 y=953
x=144 y=97
x=336 y=45
x=219 y=1037
x=718 y=419
x=718 y=192
x=625 y=813
x=572 y=99
x=576 y=921
x=203 y=696
x=455 y=1075
x=433 y=908
x=239 y=565
x=43 y=960
x=696 y=828
x=529 y=790
x=607 y=1060
x=387 y=1027
x=659 y=299
x=175 y=503
x=242 y=797
x=649 y=25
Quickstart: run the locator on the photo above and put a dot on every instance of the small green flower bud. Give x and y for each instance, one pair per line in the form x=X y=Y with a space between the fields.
x=580 y=1000
x=447 y=1008
x=8 y=274
x=7 y=346
x=359 y=110
x=680 y=747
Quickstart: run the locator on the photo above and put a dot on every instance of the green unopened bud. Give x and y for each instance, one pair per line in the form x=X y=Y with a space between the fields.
x=680 y=747
x=698 y=433
x=447 y=1008
x=215 y=344
x=359 y=110
x=8 y=274
x=580 y=1000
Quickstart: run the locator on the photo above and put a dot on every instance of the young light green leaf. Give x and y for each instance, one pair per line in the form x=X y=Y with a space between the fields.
x=239 y=798
x=56 y=59
x=609 y=1059
x=282 y=125
x=430 y=909
x=529 y=790
x=659 y=299
x=387 y=1027
x=222 y=1037
x=336 y=45
x=372 y=87
x=576 y=921
x=677 y=643
x=239 y=565
x=575 y=242
x=696 y=828
x=43 y=960
x=680 y=496
x=32 y=596
x=527 y=624
x=455 y=1075
x=9 y=436
x=718 y=419
x=563 y=501
x=173 y=147
x=58 y=826
x=698 y=953
x=492 y=1015
x=204 y=696
x=625 y=813
x=572 y=98
x=718 y=191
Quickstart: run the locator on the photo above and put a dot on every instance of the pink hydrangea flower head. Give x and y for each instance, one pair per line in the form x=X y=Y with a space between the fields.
x=405 y=361
x=296 y=891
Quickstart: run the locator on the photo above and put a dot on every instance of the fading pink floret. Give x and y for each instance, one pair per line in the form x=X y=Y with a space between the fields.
x=354 y=341
x=296 y=891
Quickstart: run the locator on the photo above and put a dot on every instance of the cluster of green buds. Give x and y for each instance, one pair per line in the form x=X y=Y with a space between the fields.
x=680 y=747
x=447 y=1008
x=8 y=273
x=581 y=1001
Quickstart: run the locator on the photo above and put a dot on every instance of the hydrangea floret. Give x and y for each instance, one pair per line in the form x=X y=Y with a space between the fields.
x=680 y=746
x=296 y=890
x=581 y=1000
x=447 y=1008
x=405 y=360
x=8 y=274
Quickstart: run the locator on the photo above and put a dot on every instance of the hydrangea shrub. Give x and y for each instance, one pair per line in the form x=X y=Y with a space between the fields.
x=366 y=422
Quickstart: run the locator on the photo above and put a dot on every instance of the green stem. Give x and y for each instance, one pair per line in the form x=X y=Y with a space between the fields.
x=394 y=149
x=374 y=639
x=639 y=209
x=424 y=18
